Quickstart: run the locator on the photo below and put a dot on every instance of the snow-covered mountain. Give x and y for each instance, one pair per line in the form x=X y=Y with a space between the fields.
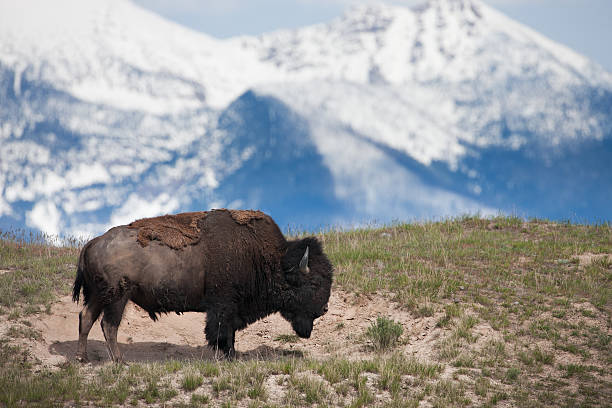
x=109 y=113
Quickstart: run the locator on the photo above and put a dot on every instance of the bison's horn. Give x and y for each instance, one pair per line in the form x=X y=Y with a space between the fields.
x=304 y=262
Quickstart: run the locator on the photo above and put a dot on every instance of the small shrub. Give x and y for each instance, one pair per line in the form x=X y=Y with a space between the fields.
x=192 y=381
x=220 y=385
x=559 y=314
x=604 y=262
x=574 y=369
x=384 y=333
x=197 y=399
x=498 y=396
x=443 y=321
x=464 y=361
x=542 y=356
x=209 y=369
x=258 y=391
x=287 y=338
x=313 y=389
x=364 y=397
x=481 y=386
x=587 y=313
x=342 y=388
x=512 y=374
x=425 y=311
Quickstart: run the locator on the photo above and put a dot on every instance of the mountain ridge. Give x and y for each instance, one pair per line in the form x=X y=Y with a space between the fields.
x=401 y=112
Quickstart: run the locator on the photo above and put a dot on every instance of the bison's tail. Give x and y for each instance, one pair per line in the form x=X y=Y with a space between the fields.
x=79 y=281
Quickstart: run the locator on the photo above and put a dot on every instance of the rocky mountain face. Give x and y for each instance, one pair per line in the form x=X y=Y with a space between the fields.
x=110 y=113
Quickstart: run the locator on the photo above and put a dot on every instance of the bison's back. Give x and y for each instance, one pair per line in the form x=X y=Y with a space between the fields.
x=117 y=254
x=117 y=265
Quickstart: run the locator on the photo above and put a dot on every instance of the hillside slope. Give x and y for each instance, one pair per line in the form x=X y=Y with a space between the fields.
x=493 y=312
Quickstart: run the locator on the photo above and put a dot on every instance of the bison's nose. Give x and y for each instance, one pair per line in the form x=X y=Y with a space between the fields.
x=325 y=309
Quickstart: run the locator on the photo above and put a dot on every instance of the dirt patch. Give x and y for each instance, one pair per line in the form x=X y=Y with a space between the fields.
x=338 y=333
x=141 y=339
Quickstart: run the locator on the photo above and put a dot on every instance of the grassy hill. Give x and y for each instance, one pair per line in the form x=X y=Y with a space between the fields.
x=514 y=313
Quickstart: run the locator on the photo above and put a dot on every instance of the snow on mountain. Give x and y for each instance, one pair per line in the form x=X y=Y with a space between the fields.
x=96 y=97
x=441 y=41
x=110 y=113
x=454 y=54
x=115 y=53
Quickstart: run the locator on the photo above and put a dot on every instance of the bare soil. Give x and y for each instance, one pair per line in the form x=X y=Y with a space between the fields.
x=338 y=333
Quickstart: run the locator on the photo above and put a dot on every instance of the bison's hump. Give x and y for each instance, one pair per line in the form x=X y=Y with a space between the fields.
x=175 y=231
x=243 y=217
x=180 y=230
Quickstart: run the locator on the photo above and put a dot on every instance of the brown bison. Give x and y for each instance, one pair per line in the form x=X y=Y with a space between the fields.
x=234 y=265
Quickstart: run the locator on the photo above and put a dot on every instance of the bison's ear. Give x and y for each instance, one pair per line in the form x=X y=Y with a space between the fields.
x=304 y=262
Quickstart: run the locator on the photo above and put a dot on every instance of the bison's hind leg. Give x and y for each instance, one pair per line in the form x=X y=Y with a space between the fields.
x=87 y=317
x=111 y=320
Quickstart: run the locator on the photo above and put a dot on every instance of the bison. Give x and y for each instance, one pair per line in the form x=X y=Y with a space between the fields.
x=235 y=265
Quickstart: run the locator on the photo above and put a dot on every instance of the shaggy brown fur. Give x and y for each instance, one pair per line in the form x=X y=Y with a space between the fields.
x=239 y=268
x=174 y=231
x=180 y=230
x=244 y=217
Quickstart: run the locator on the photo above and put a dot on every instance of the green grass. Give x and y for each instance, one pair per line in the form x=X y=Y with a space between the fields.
x=38 y=272
x=287 y=338
x=192 y=381
x=431 y=261
x=384 y=333
x=199 y=399
x=547 y=318
x=312 y=390
x=23 y=332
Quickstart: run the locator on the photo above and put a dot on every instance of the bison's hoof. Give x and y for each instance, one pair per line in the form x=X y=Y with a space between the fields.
x=82 y=359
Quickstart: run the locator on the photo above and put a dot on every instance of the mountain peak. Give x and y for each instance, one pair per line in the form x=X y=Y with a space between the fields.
x=471 y=10
x=453 y=4
x=371 y=17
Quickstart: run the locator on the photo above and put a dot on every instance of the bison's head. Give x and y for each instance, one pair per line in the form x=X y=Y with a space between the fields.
x=308 y=274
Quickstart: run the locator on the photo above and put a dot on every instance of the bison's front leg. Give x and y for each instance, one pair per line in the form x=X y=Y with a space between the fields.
x=220 y=334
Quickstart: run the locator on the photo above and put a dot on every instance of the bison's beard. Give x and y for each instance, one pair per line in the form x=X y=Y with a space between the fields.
x=301 y=325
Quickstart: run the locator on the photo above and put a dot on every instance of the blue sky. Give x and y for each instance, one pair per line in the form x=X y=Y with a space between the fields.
x=583 y=25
